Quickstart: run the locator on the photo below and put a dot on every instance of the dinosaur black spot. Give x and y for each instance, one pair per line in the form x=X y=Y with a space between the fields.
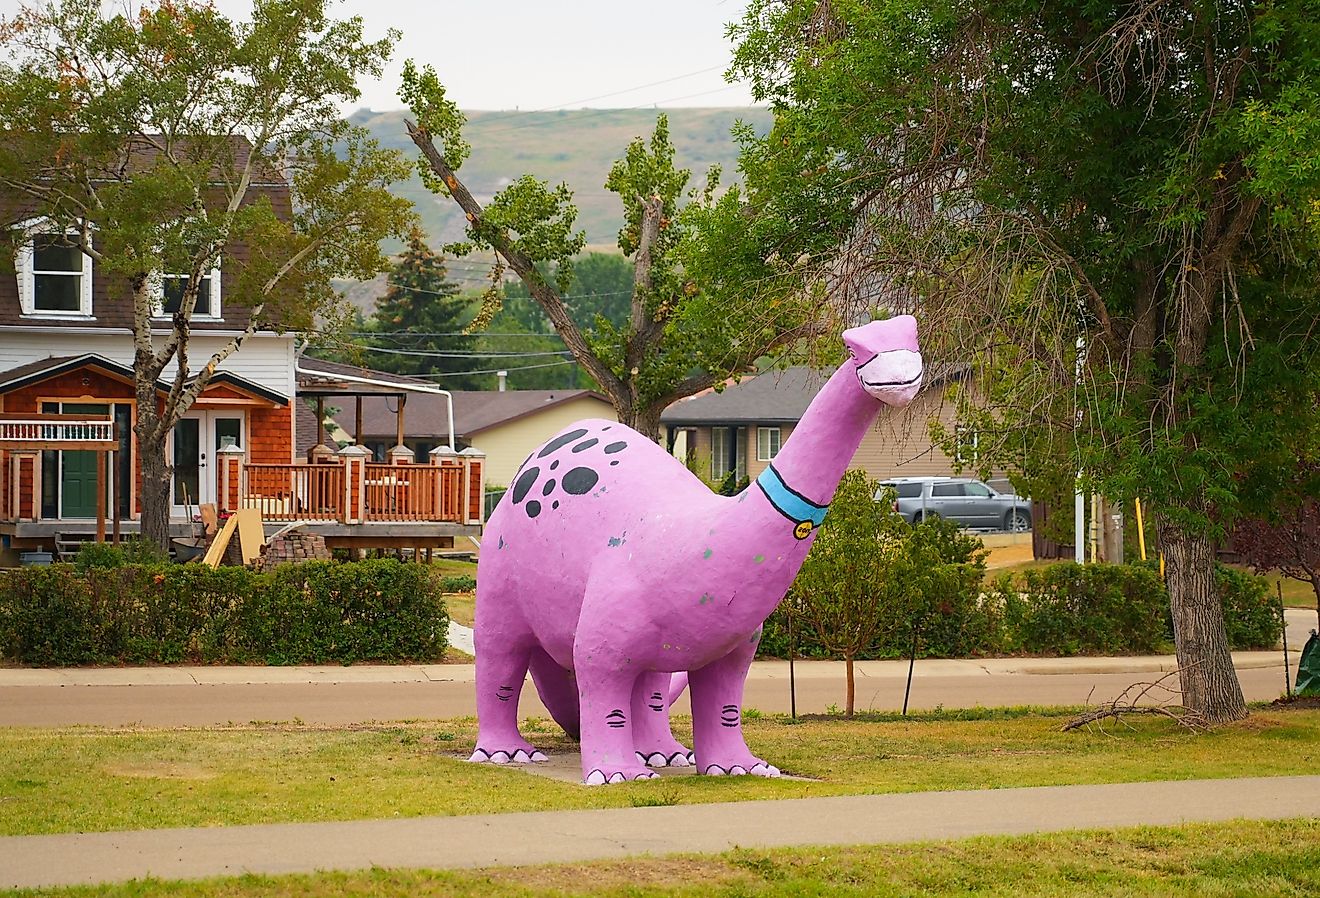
x=533 y=508
x=554 y=464
x=555 y=504
x=615 y=447
x=561 y=440
x=580 y=480
x=524 y=483
x=549 y=487
x=613 y=463
x=585 y=444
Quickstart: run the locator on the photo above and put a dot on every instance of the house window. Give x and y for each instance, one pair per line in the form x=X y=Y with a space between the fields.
x=54 y=274
x=767 y=443
x=172 y=287
x=719 y=453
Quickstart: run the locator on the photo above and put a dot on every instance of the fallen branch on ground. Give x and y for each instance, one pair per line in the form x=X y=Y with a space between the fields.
x=1156 y=698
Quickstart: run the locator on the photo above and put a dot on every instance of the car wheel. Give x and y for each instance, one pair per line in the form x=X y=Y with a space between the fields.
x=1017 y=521
x=929 y=516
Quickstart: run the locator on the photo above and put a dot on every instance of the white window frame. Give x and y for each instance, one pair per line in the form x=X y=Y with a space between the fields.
x=768 y=454
x=719 y=455
x=157 y=287
x=26 y=273
x=967 y=445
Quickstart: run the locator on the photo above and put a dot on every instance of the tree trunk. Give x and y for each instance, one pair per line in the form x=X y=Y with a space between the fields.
x=852 y=686
x=1209 y=683
x=155 y=493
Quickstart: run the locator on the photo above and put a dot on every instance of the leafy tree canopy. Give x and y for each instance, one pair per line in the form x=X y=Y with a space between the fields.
x=1110 y=209
x=702 y=275
x=162 y=139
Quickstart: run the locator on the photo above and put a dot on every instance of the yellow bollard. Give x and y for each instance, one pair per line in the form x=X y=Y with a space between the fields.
x=1141 y=532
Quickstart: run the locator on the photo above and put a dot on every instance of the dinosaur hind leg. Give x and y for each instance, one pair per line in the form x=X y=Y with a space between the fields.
x=558 y=691
x=652 y=738
x=501 y=669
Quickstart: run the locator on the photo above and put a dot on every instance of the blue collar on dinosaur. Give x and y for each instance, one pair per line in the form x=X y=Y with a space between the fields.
x=804 y=513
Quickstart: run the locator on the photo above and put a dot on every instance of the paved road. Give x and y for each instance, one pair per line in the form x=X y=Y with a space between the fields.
x=201 y=696
x=569 y=836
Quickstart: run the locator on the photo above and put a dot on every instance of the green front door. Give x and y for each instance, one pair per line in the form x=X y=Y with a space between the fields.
x=78 y=471
x=78 y=492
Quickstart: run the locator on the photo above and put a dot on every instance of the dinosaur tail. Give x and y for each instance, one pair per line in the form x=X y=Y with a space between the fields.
x=677 y=683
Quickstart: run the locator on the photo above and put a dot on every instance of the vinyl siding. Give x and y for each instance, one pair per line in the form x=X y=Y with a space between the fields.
x=508 y=445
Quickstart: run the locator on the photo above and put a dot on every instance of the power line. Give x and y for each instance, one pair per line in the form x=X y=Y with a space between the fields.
x=569 y=296
x=495 y=370
x=460 y=354
x=559 y=106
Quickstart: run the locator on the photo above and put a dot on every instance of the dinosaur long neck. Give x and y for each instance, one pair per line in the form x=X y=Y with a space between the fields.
x=759 y=539
x=816 y=454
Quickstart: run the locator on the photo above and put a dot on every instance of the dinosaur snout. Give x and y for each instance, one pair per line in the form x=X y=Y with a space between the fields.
x=893 y=377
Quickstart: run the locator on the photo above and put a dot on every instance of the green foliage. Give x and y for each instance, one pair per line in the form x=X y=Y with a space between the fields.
x=1074 y=609
x=133 y=550
x=459 y=583
x=1252 y=615
x=310 y=613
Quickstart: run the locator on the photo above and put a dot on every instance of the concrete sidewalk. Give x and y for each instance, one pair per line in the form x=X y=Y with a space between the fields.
x=572 y=836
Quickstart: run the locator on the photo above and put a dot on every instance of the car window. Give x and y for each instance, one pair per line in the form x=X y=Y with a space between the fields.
x=977 y=489
x=908 y=490
x=946 y=489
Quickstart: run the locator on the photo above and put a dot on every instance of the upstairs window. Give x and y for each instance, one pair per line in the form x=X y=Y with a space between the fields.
x=54 y=275
x=171 y=291
x=767 y=443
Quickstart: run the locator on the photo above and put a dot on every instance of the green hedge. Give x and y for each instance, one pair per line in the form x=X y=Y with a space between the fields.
x=1061 y=609
x=312 y=613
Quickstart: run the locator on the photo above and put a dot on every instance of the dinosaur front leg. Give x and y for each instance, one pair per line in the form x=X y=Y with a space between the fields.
x=500 y=673
x=654 y=742
x=605 y=682
x=717 y=739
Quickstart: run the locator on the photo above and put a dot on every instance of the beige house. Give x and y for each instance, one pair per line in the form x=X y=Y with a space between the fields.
x=741 y=428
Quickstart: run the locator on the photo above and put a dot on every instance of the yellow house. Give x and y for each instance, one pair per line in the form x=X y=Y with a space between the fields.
x=505 y=425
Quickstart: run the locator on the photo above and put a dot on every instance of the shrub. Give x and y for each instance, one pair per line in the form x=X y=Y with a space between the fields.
x=458 y=583
x=1074 y=609
x=316 y=612
x=1251 y=614
x=133 y=550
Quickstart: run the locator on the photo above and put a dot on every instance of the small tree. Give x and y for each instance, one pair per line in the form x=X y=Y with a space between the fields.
x=158 y=142
x=1288 y=542
x=706 y=301
x=421 y=317
x=847 y=594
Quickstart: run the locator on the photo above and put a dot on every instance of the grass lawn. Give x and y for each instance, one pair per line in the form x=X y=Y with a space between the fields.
x=92 y=779
x=462 y=607
x=1262 y=860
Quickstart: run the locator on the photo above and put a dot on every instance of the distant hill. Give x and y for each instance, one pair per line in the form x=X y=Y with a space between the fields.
x=574 y=146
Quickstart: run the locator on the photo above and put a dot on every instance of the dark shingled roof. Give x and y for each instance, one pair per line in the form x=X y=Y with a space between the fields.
x=776 y=397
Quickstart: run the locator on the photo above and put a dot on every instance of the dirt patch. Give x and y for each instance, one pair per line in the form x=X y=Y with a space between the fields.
x=1297 y=703
x=639 y=874
x=164 y=770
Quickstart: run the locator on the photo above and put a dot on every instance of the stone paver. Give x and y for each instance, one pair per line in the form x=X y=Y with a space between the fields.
x=569 y=836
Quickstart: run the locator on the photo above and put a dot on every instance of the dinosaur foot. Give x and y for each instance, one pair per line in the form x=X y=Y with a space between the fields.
x=754 y=767
x=680 y=758
x=512 y=756
x=598 y=777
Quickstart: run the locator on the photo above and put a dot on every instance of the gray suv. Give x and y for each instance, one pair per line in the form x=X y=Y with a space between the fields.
x=969 y=502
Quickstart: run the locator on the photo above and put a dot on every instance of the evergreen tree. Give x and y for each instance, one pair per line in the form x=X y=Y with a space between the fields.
x=417 y=326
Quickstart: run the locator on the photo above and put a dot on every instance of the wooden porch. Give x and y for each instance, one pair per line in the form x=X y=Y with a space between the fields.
x=342 y=494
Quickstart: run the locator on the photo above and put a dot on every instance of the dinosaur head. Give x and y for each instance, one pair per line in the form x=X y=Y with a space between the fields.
x=887 y=357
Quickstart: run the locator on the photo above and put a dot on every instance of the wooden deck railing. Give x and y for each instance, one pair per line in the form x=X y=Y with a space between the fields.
x=350 y=490
x=294 y=492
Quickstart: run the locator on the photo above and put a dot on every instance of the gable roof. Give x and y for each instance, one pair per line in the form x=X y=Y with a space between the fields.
x=775 y=397
x=43 y=369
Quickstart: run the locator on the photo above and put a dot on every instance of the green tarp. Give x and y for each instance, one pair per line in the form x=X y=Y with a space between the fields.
x=1308 y=669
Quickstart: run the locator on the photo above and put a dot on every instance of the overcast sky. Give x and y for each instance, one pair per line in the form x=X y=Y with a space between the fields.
x=551 y=54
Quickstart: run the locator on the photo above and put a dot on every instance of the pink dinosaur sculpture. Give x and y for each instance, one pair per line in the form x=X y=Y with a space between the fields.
x=608 y=566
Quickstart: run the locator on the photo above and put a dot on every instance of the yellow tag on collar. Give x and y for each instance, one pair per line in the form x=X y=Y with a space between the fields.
x=802 y=530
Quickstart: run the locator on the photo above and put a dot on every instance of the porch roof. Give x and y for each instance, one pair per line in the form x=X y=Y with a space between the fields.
x=43 y=369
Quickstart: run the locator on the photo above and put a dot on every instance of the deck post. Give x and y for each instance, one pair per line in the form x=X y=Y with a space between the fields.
x=474 y=485
x=355 y=488
x=100 y=496
x=231 y=477
x=442 y=456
